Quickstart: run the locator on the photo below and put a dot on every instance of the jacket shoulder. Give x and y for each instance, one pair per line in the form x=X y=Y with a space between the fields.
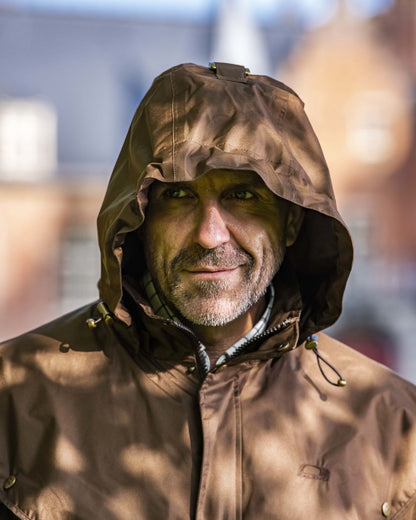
x=364 y=373
x=65 y=326
x=54 y=349
x=69 y=331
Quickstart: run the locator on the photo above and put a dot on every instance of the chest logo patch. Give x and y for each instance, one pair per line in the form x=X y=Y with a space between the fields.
x=314 y=472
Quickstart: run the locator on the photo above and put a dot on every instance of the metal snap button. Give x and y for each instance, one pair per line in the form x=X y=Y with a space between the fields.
x=220 y=368
x=9 y=482
x=284 y=347
x=386 y=509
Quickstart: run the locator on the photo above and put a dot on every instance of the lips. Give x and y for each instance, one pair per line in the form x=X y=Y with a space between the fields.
x=212 y=273
x=214 y=269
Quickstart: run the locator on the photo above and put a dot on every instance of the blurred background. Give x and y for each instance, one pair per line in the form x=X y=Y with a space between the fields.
x=73 y=71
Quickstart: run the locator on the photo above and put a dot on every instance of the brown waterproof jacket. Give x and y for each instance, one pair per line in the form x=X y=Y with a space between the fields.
x=103 y=413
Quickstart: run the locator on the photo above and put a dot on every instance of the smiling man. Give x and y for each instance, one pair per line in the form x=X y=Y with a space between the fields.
x=213 y=246
x=200 y=385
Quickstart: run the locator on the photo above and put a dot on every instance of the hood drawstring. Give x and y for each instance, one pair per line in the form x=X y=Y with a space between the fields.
x=312 y=344
x=105 y=315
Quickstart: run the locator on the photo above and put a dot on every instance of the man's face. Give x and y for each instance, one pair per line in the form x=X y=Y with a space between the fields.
x=214 y=244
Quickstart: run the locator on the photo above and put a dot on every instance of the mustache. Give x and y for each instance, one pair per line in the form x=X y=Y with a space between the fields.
x=225 y=256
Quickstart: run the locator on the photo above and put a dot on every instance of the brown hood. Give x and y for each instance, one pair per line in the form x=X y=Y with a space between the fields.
x=194 y=119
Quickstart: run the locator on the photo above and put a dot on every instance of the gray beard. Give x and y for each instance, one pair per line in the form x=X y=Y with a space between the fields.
x=210 y=304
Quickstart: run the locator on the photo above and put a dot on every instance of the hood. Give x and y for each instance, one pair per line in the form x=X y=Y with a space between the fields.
x=195 y=119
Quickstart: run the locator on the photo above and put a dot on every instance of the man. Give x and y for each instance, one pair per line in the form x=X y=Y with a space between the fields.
x=187 y=391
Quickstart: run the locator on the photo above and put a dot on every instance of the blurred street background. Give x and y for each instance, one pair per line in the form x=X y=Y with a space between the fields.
x=72 y=73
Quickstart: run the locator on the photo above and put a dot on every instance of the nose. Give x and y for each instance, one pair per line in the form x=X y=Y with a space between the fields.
x=211 y=230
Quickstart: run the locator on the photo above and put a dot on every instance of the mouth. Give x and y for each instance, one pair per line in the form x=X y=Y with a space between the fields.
x=212 y=272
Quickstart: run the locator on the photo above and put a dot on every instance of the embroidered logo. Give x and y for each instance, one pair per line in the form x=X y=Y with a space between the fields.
x=313 y=472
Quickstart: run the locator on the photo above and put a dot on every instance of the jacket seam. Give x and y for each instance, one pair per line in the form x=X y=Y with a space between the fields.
x=402 y=511
x=173 y=124
x=205 y=469
x=13 y=508
x=238 y=448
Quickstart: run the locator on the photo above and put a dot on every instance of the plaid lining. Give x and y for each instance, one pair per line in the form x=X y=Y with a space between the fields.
x=161 y=308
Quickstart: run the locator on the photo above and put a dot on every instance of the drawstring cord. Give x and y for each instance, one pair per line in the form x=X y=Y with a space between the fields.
x=312 y=344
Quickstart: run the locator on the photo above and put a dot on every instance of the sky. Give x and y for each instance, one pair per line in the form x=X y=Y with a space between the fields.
x=314 y=12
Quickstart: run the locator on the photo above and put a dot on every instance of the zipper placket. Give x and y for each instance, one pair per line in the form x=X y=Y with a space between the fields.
x=250 y=344
x=198 y=346
x=226 y=358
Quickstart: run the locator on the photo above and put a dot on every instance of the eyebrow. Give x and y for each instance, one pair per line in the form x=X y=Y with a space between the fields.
x=254 y=183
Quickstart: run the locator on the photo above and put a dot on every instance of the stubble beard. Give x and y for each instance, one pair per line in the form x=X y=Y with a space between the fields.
x=214 y=303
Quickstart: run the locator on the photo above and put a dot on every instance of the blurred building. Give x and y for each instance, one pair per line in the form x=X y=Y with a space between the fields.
x=359 y=93
x=69 y=86
x=49 y=259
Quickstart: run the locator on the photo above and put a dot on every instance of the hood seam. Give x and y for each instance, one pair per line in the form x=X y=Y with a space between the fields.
x=173 y=125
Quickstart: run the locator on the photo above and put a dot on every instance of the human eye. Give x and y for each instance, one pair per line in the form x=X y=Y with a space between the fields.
x=244 y=195
x=176 y=193
x=241 y=194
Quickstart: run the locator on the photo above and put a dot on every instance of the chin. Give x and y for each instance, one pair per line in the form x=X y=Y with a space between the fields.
x=213 y=314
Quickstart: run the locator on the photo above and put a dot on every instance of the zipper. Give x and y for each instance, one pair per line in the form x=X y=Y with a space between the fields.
x=201 y=364
x=201 y=356
x=251 y=344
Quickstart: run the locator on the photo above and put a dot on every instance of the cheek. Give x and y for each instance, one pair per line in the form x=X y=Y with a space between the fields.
x=268 y=248
x=152 y=243
x=258 y=239
x=160 y=243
